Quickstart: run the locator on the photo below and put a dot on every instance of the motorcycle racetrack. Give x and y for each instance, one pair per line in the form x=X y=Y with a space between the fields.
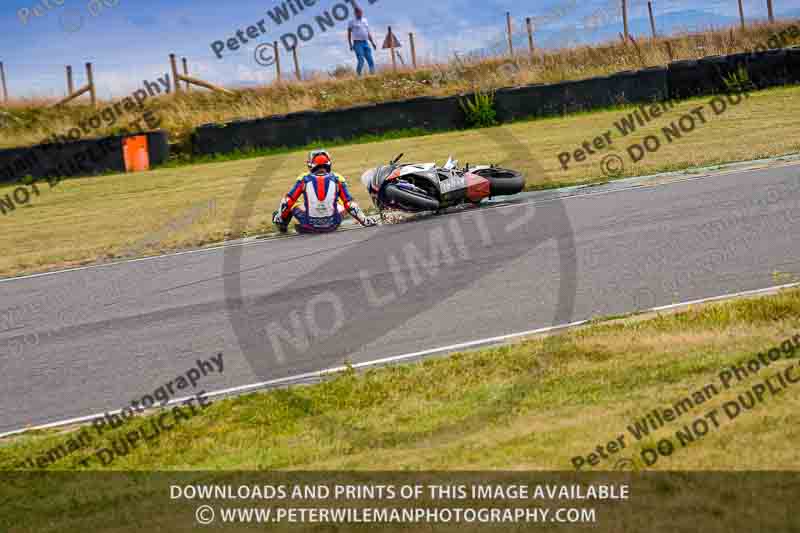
x=89 y=340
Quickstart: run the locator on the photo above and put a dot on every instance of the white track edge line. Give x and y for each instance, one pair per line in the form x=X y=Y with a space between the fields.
x=710 y=173
x=317 y=374
x=396 y=358
x=774 y=288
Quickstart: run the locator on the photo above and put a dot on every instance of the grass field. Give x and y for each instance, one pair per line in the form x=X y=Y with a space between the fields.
x=89 y=219
x=533 y=405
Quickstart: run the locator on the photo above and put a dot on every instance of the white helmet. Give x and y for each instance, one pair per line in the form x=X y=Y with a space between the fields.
x=317 y=158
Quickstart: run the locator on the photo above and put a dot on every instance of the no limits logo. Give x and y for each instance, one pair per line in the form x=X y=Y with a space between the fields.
x=342 y=306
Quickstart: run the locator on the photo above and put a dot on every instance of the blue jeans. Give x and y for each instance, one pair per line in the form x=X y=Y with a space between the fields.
x=363 y=52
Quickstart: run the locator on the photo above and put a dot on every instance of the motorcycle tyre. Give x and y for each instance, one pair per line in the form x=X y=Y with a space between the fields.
x=502 y=181
x=410 y=200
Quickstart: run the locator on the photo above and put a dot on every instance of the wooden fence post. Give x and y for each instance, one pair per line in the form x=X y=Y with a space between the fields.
x=529 y=24
x=3 y=80
x=175 y=77
x=413 y=50
x=189 y=80
x=669 y=50
x=508 y=28
x=741 y=13
x=277 y=60
x=625 y=19
x=186 y=73
x=70 y=86
x=391 y=49
x=770 y=12
x=90 y=83
x=296 y=64
x=652 y=20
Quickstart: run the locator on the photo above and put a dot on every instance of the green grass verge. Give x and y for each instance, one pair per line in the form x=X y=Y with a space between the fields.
x=533 y=405
x=83 y=220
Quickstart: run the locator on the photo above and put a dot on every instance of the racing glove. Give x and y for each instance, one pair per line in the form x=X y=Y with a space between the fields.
x=359 y=215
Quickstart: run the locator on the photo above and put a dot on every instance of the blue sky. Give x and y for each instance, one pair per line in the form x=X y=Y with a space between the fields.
x=130 y=41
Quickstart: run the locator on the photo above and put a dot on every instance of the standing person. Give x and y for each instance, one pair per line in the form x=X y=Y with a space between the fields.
x=357 y=36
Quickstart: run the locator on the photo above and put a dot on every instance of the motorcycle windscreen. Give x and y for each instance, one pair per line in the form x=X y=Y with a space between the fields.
x=367 y=177
x=374 y=178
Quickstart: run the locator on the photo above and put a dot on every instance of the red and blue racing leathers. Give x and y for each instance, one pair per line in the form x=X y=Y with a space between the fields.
x=319 y=211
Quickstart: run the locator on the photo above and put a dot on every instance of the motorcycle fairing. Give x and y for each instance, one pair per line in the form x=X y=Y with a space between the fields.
x=478 y=188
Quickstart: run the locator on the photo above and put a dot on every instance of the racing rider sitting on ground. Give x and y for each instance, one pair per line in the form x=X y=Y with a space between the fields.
x=320 y=210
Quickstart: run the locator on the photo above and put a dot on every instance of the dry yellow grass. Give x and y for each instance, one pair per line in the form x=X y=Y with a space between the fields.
x=180 y=114
x=629 y=369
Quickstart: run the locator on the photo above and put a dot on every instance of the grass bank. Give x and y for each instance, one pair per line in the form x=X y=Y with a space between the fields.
x=29 y=121
x=535 y=404
x=89 y=219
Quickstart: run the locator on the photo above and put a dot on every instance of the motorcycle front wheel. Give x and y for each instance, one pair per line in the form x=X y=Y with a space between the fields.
x=410 y=199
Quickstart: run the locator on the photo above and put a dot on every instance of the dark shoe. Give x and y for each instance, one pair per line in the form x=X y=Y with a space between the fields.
x=282 y=227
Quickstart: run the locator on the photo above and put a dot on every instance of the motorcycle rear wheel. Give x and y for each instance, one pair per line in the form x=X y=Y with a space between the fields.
x=502 y=181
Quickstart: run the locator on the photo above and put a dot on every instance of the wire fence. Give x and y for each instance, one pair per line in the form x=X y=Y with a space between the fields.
x=565 y=25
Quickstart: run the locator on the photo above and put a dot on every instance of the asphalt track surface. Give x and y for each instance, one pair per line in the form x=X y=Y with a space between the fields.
x=81 y=342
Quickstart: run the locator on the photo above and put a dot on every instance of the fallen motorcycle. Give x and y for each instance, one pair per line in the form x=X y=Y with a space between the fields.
x=415 y=187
